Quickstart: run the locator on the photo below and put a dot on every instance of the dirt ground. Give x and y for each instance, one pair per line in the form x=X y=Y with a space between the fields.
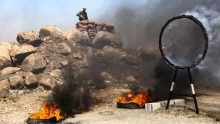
x=16 y=111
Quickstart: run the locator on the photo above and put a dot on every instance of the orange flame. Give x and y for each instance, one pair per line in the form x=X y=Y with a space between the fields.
x=139 y=99
x=47 y=111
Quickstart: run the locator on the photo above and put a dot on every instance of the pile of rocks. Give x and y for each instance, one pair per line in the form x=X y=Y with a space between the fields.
x=99 y=34
x=20 y=63
x=93 y=27
x=40 y=58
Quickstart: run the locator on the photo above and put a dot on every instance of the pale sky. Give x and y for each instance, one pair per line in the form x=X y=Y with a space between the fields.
x=22 y=15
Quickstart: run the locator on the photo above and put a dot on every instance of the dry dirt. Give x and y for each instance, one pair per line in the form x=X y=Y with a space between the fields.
x=17 y=110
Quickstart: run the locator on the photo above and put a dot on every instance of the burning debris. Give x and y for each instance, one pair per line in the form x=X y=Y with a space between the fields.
x=133 y=100
x=48 y=111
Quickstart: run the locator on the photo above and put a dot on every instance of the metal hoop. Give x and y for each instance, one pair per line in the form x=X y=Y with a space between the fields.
x=205 y=36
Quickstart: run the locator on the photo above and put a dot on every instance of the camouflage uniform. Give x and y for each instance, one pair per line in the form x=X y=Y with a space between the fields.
x=82 y=15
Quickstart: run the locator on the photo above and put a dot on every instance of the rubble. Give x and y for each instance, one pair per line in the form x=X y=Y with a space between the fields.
x=92 y=49
x=100 y=34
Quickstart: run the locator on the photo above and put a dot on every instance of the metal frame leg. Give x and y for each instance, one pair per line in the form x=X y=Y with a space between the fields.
x=171 y=88
x=193 y=90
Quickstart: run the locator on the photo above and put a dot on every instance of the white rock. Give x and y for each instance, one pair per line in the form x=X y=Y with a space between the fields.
x=149 y=107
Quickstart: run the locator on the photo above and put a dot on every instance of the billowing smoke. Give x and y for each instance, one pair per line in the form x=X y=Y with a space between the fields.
x=211 y=20
x=72 y=96
x=140 y=25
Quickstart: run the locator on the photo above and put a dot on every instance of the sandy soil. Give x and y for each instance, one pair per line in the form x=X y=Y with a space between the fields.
x=126 y=116
x=16 y=111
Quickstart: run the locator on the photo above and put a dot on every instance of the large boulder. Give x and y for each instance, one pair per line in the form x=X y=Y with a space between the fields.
x=5 y=49
x=104 y=38
x=19 y=52
x=147 y=52
x=62 y=48
x=112 y=50
x=31 y=80
x=34 y=63
x=29 y=37
x=16 y=82
x=49 y=30
x=48 y=82
x=75 y=36
x=4 y=62
x=5 y=59
x=8 y=71
x=4 y=88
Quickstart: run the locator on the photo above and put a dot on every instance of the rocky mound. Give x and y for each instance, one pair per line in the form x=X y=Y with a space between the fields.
x=92 y=51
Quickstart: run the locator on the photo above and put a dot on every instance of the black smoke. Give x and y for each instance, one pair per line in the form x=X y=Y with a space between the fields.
x=140 y=24
x=73 y=96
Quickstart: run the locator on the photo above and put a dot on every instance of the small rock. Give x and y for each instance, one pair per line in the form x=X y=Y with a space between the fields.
x=56 y=73
x=64 y=62
x=31 y=80
x=49 y=30
x=21 y=92
x=62 y=48
x=4 y=88
x=111 y=50
x=29 y=37
x=54 y=65
x=107 y=77
x=131 y=79
x=13 y=95
x=131 y=60
x=16 y=82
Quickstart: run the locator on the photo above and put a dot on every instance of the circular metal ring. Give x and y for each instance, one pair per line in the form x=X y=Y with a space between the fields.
x=205 y=36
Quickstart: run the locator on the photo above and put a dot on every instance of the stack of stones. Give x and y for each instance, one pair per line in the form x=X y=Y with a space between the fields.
x=93 y=27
